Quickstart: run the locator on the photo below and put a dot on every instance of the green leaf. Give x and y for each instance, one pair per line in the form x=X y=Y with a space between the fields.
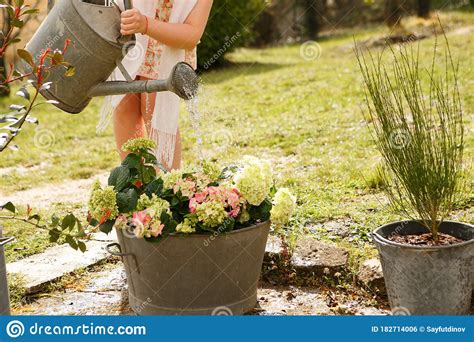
x=82 y=246
x=120 y=178
x=54 y=221
x=155 y=187
x=31 y=11
x=9 y=206
x=54 y=235
x=69 y=221
x=127 y=200
x=58 y=57
x=17 y=23
x=148 y=174
x=23 y=93
x=35 y=217
x=261 y=212
x=72 y=242
x=132 y=161
x=175 y=201
x=26 y=56
x=149 y=158
x=70 y=71
x=107 y=226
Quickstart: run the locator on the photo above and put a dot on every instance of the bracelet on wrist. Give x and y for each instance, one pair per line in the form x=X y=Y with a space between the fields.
x=146 y=26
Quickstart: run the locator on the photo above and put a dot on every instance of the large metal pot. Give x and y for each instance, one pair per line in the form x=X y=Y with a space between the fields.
x=4 y=296
x=427 y=280
x=195 y=274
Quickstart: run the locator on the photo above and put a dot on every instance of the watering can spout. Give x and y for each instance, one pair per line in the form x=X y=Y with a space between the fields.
x=182 y=81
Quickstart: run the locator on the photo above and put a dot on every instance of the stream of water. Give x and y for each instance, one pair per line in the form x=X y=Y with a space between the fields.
x=192 y=106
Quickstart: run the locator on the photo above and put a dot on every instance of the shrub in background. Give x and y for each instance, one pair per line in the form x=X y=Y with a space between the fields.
x=230 y=26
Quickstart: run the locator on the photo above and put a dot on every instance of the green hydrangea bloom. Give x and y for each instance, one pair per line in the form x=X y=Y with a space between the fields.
x=244 y=216
x=211 y=214
x=254 y=180
x=170 y=178
x=138 y=144
x=284 y=204
x=187 y=226
x=155 y=204
x=103 y=202
x=212 y=170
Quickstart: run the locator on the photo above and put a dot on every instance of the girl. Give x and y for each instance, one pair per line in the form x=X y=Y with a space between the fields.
x=167 y=32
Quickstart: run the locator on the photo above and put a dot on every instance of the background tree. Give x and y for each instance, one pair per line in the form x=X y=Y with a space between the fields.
x=424 y=7
x=313 y=26
x=393 y=13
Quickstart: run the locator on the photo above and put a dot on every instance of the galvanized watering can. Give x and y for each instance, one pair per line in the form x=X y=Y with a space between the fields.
x=96 y=49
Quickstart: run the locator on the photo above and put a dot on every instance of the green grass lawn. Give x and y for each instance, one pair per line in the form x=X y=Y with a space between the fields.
x=304 y=115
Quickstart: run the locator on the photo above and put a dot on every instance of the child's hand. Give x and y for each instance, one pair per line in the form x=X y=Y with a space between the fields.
x=133 y=22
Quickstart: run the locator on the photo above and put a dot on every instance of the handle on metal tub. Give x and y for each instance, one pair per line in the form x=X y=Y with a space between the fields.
x=109 y=247
x=6 y=240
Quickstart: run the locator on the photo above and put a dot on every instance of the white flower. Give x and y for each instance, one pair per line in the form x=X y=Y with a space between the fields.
x=254 y=180
x=284 y=204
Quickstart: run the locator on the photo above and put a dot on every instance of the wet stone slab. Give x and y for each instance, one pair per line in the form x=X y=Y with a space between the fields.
x=106 y=294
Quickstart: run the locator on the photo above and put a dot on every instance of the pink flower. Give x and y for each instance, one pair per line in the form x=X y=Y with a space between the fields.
x=200 y=197
x=234 y=212
x=233 y=198
x=156 y=230
x=141 y=218
x=193 y=205
x=187 y=187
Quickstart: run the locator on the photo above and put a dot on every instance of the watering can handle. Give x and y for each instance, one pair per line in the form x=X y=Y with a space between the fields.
x=127 y=4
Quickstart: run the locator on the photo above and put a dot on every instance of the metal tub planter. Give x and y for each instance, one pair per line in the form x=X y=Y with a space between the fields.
x=199 y=274
x=431 y=280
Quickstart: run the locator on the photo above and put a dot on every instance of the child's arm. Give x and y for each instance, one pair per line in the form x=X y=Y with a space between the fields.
x=184 y=36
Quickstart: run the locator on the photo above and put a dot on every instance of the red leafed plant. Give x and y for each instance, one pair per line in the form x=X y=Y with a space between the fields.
x=67 y=228
x=12 y=122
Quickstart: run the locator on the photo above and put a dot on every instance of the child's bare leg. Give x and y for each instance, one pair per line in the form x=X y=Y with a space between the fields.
x=128 y=121
x=147 y=106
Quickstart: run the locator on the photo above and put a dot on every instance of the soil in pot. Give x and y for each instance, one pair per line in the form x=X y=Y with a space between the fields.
x=426 y=239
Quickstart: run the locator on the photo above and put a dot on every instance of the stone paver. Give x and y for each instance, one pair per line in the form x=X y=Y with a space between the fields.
x=370 y=274
x=317 y=257
x=40 y=269
x=311 y=256
x=106 y=294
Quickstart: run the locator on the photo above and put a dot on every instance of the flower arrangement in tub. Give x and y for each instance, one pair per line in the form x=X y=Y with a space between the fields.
x=187 y=201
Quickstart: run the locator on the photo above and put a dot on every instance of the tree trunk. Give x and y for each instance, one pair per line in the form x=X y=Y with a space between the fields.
x=312 y=18
x=424 y=7
x=393 y=13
